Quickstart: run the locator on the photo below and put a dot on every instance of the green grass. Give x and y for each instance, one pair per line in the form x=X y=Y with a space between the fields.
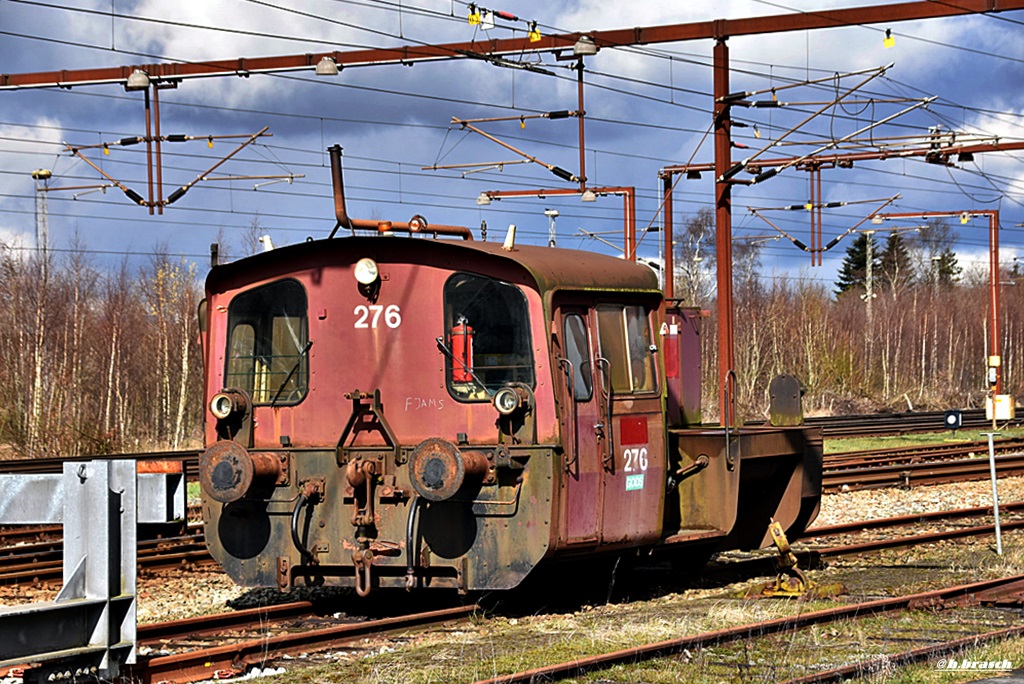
x=839 y=445
x=192 y=491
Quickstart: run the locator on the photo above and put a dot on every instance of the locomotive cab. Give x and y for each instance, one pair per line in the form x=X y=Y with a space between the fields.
x=402 y=412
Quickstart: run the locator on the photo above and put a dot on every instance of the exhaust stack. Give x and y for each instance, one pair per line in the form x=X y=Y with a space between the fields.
x=417 y=224
x=338 y=184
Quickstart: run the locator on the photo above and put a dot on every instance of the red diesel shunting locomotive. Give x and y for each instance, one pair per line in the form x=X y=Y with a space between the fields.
x=413 y=412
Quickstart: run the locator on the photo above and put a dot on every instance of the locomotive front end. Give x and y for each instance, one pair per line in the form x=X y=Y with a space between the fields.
x=377 y=417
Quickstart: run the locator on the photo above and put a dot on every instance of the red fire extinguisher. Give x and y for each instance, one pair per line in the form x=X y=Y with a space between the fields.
x=462 y=350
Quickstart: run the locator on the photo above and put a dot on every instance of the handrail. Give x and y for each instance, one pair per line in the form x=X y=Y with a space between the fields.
x=605 y=366
x=730 y=406
x=570 y=375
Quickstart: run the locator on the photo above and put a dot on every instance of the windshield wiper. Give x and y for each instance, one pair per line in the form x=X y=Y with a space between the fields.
x=288 y=377
x=462 y=364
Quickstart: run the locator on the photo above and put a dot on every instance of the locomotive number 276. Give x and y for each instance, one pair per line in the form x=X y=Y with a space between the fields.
x=369 y=316
x=636 y=459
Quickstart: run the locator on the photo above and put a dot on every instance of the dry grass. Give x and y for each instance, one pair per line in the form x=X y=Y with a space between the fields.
x=501 y=644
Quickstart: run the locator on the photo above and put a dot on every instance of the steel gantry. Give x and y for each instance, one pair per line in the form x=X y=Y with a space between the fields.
x=995 y=345
x=494 y=50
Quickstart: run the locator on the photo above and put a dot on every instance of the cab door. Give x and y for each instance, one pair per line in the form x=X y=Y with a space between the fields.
x=581 y=412
x=633 y=476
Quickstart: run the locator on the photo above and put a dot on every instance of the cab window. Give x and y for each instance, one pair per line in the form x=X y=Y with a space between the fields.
x=487 y=336
x=624 y=334
x=577 y=352
x=268 y=343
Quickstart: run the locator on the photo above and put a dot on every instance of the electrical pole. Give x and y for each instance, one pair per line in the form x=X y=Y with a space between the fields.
x=42 y=179
x=869 y=331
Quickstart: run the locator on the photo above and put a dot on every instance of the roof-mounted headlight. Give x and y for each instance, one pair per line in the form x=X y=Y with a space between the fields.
x=366 y=271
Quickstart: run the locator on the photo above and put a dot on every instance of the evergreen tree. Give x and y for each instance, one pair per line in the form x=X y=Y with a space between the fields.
x=854 y=269
x=947 y=268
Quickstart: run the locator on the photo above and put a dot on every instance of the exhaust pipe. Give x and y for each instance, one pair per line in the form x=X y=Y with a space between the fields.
x=338 y=184
x=417 y=224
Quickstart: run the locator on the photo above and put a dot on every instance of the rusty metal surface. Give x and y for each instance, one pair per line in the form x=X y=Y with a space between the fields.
x=765 y=474
x=227 y=470
x=487 y=536
x=438 y=469
x=549 y=267
x=409 y=54
x=477 y=523
x=681 y=339
x=157 y=632
x=416 y=224
x=786 y=394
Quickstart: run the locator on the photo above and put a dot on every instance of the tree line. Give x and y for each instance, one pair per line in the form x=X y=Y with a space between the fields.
x=96 y=360
x=905 y=326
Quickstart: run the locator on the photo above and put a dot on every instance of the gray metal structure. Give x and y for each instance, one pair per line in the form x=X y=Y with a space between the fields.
x=89 y=630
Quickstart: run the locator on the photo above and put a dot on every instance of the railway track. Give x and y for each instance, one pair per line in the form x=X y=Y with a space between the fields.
x=885 y=424
x=275 y=640
x=812 y=548
x=177 y=651
x=43 y=561
x=926 y=465
x=956 y=595
x=922 y=452
x=864 y=537
x=181 y=651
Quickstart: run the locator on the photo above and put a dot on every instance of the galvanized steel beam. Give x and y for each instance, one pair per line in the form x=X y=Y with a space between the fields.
x=39 y=499
x=89 y=630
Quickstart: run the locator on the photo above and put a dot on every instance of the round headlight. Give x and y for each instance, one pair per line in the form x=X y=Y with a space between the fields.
x=506 y=400
x=222 y=406
x=366 y=271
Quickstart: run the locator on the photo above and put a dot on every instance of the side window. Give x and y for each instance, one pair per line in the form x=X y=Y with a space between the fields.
x=577 y=351
x=268 y=343
x=624 y=333
x=487 y=331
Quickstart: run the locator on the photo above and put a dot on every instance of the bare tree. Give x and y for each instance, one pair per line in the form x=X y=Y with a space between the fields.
x=695 y=251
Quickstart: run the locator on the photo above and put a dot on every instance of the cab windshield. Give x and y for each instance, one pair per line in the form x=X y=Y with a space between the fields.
x=268 y=343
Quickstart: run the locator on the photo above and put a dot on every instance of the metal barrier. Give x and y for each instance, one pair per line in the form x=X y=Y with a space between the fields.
x=89 y=630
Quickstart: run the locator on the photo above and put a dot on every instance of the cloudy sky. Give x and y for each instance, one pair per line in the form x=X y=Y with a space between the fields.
x=647 y=108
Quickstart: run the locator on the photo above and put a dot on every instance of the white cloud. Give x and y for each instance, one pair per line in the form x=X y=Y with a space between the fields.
x=16 y=237
x=30 y=147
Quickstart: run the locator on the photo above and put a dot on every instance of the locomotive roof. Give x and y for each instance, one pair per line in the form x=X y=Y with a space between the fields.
x=551 y=268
